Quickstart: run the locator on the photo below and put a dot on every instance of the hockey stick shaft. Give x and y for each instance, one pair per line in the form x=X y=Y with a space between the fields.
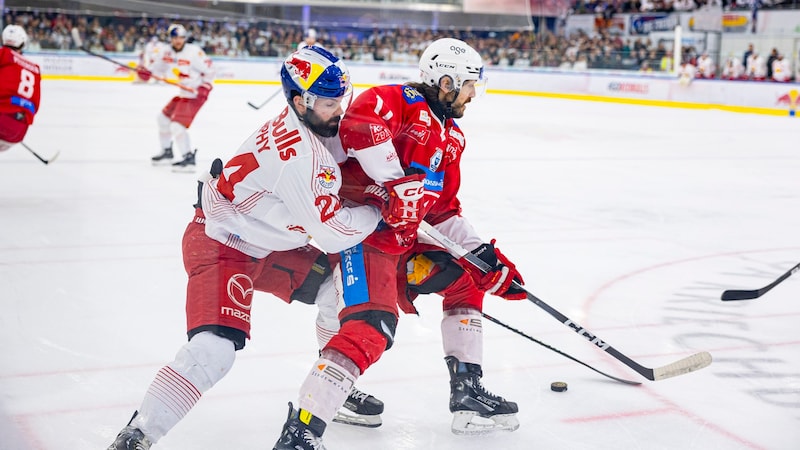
x=512 y=329
x=680 y=367
x=274 y=94
x=46 y=161
x=153 y=76
x=735 y=294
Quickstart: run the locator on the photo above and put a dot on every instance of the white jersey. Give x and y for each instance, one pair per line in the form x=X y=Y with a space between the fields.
x=280 y=190
x=706 y=67
x=193 y=67
x=781 y=70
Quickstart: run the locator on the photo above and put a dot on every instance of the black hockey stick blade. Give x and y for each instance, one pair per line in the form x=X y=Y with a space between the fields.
x=274 y=94
x=508 y=327
x=680 y=367
x=734 y=294
x=45 y=161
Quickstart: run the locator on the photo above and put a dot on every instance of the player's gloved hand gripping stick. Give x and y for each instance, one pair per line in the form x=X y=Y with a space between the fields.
x=680 y=367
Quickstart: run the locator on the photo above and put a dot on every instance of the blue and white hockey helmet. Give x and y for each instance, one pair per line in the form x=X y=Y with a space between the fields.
x=176 y=30
x=313 y=72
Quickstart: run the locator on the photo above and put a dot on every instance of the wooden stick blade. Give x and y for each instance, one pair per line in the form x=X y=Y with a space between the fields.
x=685 y=365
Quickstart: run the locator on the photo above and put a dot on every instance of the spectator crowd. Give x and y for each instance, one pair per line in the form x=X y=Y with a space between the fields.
x=521 y=48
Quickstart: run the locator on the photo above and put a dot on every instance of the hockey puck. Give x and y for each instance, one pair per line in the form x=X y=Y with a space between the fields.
x=558 y=386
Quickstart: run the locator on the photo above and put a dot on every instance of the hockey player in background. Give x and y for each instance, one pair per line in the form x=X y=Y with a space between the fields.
x=20 y=80
x=195 y=71
x=251 y=231
x=404 y=137
x=150 y=53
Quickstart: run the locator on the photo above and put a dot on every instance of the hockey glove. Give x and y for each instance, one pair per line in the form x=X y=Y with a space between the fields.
x=144 y=74
x=203 y=90
x=498 y=280
x=392 y=241
x=404 y=199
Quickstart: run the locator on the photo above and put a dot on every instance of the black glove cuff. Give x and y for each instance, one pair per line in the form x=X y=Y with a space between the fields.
x=486 y=254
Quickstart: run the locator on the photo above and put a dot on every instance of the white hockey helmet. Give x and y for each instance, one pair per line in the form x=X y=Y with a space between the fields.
x=452 y=58
x=176 y=30
x=14 y=36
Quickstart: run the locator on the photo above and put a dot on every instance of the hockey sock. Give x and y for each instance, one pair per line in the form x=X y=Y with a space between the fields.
x=164 y=134
x=198 y=365
x=462 y=335
x=181 y=138
x=328 y=315
x=327 y=385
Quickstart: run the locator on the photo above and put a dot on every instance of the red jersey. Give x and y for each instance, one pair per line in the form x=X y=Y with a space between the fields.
x=19 y=84
x=396 y=118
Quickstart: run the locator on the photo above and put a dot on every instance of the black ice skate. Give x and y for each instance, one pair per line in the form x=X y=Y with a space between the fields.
x=130 y=438
x=187 y=164
x=476 y=410
x=360 y=409
x=164 y=158
x=297 y=435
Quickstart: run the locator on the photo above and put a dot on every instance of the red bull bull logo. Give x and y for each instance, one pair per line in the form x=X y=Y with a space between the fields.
x=301 y=69
x=304 y=73
x=326 y=176
x=789 y=99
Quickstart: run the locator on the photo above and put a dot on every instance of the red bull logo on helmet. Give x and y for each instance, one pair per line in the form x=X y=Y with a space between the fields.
x=305 y=73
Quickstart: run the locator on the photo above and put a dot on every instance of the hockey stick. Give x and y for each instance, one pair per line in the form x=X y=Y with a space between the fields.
x=680 y=367
x=153 y=76
x=274 y=94
x=508 y=327
x=46 y=161
x=734 y=294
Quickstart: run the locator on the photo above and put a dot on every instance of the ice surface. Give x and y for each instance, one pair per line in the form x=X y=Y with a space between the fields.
x=630 y=220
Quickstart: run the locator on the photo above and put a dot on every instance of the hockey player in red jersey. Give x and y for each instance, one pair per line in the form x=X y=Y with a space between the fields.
x=404 y=137
x=19 y=88
x=251 y=232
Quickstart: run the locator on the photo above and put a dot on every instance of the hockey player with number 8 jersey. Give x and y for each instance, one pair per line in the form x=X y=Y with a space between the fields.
x=19 y=88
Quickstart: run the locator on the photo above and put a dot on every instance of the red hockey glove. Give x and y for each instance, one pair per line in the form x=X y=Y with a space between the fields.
x=143 y=73
x=405 y=195
x=376 y=196
x=203 y=90
x=498 y=280
x=392 y=241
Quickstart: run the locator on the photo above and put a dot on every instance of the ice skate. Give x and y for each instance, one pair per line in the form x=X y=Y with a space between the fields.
x=476 y=410
x=130 y=438
x=164 y=158
x=297 y=435
x=360 y=409
x=187 y=164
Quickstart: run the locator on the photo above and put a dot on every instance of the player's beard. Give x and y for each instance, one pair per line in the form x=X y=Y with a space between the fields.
x=457 y=110
x=323 y=129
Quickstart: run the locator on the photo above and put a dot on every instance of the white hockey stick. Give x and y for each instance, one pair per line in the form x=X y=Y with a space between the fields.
x=680 y=367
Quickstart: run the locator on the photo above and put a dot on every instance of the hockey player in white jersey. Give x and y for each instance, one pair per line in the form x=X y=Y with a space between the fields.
x=196 y=72
x=251 y=232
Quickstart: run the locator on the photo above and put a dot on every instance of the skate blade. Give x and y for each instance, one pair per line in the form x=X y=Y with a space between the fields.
x=469 y=423
x=348 y=417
